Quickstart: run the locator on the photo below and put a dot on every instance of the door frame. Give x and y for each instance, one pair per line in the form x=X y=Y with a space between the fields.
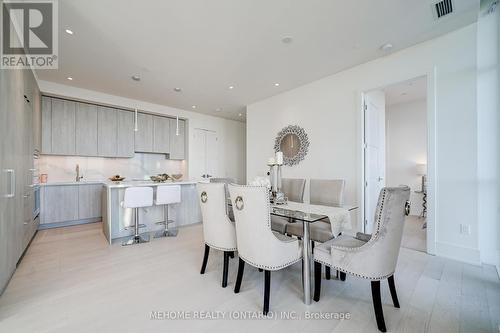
x=432 y=188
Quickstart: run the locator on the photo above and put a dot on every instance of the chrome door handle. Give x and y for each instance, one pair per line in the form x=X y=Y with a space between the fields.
x=380 y=179
x=203 y=176
x=208 y=176
x=12 y=190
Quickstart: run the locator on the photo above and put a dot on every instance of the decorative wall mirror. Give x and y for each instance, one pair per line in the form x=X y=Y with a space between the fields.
x=293 y=142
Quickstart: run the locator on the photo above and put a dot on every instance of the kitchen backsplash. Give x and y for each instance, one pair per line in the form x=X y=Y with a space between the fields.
x=63 y=168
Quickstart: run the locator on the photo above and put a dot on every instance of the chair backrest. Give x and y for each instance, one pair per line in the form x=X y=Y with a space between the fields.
x=226 y=181
x=218 y=230
x=327 y=192
x=136 y=197
x=388 y=229
x=168 y=194
x=293 y=189
x=257 y=244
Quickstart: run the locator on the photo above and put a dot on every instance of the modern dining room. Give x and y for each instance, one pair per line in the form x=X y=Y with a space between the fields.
x=250 y=166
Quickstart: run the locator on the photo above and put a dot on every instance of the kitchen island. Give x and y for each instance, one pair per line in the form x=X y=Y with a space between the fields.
x=116 y=219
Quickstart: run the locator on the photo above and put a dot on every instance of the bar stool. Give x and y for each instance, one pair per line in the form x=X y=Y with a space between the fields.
x=135 y=198
x=167 y=195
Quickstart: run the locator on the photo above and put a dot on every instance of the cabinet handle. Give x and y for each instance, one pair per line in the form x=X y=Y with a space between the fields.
x=12 y=189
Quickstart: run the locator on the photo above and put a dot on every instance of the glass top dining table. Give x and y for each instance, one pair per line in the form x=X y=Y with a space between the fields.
x=296 y=215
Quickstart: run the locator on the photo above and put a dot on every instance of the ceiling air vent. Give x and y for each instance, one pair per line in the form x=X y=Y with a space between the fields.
x=443 y=8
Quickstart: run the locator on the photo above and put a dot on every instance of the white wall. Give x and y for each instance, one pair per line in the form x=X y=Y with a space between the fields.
x=406 y=145
x=488 y=134
x=231 y=134
x=330 y=111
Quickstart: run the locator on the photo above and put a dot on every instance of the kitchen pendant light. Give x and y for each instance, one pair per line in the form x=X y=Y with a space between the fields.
x=177 y=126
x=135 y=120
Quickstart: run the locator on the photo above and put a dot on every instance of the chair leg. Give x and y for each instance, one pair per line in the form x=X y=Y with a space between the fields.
x=317 y=280
x=205 y=259
x=327 y=273
x=231 y=254
x=377 y=306
x=239 y=278
x=267 y=291
x=261 y=270
x=225 y=269
x=342 y=276
x=392 y=288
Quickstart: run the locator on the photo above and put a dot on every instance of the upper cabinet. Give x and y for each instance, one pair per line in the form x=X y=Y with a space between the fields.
x=144 y=133
x=86 y=129
x=63 y=123
x=83 y=129
x=161 y=131
x=177 y=140
x=107 y=132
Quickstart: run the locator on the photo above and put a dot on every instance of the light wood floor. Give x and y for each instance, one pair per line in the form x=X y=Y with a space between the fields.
x=414 y=237
x=71 y=281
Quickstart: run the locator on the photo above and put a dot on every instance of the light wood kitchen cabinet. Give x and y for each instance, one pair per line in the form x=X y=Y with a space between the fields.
x=63 y=127
x=144 y=133
x=86 y=130
x=161 y=131
x=59 y=203
x=46 y=125
x=177 y=142
x=89 y=201
x=125 y=145
x=107 y=129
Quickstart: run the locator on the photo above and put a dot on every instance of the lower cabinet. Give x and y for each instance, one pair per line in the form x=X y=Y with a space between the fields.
x=70 y=204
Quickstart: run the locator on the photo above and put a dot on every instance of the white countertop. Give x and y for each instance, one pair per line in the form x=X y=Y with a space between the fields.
x=123 y=184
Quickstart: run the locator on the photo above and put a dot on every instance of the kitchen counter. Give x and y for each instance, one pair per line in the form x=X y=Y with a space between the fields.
x=83 y=182
x=123 y=184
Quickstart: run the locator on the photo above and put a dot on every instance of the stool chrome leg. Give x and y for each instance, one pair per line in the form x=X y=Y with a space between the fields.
x=166 y=232
x=137 y=238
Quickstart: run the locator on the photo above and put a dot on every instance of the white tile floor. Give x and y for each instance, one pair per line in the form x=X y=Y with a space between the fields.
x=72 y=281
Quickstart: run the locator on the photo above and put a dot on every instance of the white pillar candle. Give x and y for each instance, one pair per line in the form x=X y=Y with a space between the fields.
x=279 y=158
x=271 y=161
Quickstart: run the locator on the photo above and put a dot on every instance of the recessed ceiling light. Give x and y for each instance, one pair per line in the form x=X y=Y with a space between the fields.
x=177 y=89
x=218 y=110
x=136 y=78
x=231 y=87
x=403 y=94
x=193 y=106
x=69 y=32
x=241 y=114
x=276 y=84
x=287 y=40
x=70 y=78
x=386 y=47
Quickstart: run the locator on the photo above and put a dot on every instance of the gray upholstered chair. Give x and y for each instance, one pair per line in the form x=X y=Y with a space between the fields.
x=226 y=181
x=294 y=191
x=326 y=192
x=258 y=245
x=373 y=258
x=218 y=231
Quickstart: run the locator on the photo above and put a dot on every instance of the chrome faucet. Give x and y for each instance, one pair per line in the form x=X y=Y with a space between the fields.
x=78 y=177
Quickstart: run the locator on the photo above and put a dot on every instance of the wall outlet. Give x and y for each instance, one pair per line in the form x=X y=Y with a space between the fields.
x=465 y=229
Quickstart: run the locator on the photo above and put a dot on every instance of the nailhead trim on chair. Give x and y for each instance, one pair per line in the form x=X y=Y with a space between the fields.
x=221 y=248
x=270 y=268
x=369 y=243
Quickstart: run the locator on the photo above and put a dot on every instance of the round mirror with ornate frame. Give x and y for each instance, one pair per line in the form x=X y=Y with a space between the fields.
x=293 y=142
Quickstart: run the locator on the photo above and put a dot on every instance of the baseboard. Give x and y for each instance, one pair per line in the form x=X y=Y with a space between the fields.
x=459 y=253
x=68 y=223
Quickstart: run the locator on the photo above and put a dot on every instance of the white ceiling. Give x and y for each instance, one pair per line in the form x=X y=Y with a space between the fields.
x=405 y=92
x=204 y=46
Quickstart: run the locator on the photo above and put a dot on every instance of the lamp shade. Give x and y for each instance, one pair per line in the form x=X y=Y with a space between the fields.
x=421 y=169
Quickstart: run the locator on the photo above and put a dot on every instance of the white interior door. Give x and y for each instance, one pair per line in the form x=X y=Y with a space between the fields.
x=211 y=154
x=374 y=153
x=204 y=163
x=198 y=157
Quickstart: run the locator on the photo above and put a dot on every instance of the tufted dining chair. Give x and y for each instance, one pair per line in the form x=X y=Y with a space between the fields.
x=325 y=192
x=218 y=231
x=374 y=257
x=294 y=191
x=258 y=245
